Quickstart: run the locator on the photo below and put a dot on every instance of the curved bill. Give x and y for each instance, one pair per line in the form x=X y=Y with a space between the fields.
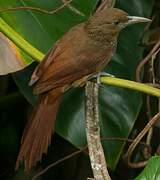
x=136 y=19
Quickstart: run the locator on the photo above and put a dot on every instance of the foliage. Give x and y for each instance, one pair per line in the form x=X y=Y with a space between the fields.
x=119 y=108
x=152 y=170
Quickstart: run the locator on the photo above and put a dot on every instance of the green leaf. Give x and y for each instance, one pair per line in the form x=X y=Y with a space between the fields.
x=35 y=26
x=152 y=170
x=118 y=107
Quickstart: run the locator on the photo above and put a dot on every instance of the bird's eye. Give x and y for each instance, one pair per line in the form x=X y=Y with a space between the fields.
x=116 y=22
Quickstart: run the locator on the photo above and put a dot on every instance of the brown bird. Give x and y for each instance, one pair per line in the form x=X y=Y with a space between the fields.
x=82 y=52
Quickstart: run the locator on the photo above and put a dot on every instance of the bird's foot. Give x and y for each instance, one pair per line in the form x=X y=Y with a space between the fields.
x=98 y=76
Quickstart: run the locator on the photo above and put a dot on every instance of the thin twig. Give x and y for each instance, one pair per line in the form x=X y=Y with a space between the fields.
x=152 y=79
x=150 y=132
x=128 y=154
x=126 y=140
x=96 y=154
x=72 y=8
x=143 y=44
x=36 y=9
x=145 y=60
x=58 y=162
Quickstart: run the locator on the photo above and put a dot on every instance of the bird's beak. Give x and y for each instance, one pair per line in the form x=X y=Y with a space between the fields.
x=136 y=19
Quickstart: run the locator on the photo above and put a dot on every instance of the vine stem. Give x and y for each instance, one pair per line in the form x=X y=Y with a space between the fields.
x=20 y=41
x=141 y=87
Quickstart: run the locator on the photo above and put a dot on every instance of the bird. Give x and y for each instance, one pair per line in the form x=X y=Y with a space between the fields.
x=79 y=54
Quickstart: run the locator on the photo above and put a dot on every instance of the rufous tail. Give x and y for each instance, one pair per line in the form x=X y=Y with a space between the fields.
x=37 y=134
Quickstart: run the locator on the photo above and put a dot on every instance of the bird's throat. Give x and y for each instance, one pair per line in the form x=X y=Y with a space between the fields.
x=101 y=36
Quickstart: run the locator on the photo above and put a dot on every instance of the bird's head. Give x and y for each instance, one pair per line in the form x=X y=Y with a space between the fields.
x=112 y=21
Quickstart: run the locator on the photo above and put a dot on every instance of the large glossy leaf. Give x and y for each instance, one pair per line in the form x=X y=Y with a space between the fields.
x=152 y=170
x=35 y=27
x=118 y=107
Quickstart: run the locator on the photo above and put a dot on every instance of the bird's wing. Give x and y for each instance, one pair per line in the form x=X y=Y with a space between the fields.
x=65 y=69
x=43 y=65
x=51 y=56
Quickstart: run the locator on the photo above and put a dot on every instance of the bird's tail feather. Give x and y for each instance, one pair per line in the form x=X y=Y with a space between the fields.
x=37 y=134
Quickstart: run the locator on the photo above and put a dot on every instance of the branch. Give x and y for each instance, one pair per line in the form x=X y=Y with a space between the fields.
x=58 y=162
x=72 y=8
x=137 y=140
x=36 y=9
x=95 y=148
x=146 y=59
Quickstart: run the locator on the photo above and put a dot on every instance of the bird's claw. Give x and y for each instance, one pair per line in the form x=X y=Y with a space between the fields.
x=98 y=76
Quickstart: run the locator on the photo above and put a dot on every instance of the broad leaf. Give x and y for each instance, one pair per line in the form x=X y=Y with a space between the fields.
x=152 y=170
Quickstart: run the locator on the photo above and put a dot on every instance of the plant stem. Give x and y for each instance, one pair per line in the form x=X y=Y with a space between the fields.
x=131 y=85
x=19 y=41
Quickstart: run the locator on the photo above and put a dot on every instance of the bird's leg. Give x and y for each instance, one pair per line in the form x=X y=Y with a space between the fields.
x=99 y=74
